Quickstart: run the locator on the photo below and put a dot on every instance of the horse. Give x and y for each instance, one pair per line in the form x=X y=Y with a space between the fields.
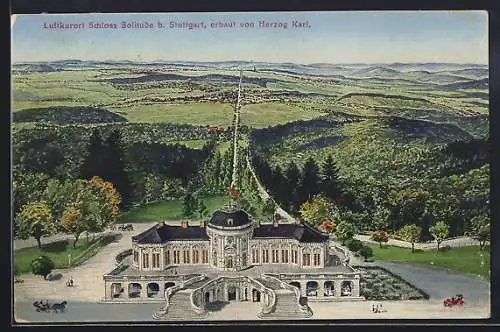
x=59 y=306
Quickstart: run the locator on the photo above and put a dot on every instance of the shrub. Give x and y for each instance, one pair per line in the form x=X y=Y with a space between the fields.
x=354 y=245
x=445 y=248
x=366 y=252
x=42 y=265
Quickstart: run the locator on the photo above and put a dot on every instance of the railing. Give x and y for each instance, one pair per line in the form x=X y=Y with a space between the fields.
x=171 y=290
x=272 y=303
x=304 y=308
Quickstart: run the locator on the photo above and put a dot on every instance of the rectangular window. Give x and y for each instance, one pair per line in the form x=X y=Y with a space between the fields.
x=275 y=256
x=186 y=256
x=284 y=256
x=294 y=256
x=176 y=256
x=156 y=260
x=306 y=259
x=195 y=257
x=136 y=256
x=316 y=259
x=255 y=256
x=167 y=257
x=265 y=256
x=204 y=254
x=145 y=261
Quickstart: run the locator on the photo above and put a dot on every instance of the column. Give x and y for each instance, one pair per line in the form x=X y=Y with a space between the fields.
x=303 y=288
x=161 y=290
x=321 y=287
x=355 y=288
x=338 y=283
x=144 y=290
x=108 y=290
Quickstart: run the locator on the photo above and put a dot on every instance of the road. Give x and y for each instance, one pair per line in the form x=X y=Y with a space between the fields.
x=462 y=241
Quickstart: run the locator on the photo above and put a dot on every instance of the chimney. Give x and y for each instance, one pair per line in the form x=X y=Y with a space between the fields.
x=275 y=223
x=257 y=224
x=203 y=223
x=184 y=224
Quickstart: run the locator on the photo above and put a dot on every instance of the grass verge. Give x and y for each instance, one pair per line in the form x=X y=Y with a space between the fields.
x=468 y=260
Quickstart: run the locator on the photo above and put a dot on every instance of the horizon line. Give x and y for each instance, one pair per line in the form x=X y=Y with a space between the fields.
x=249 y=62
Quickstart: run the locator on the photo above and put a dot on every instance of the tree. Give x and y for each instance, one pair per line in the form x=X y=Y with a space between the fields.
x=327 y=226
x=354 y=245
x=268 y=208
x=113 y=168
x=35 y=219
x=42 y=266
x=27 y=187
x=189 y=206
x=330 y=183
x=110 y=198
x=94 y=159
x=202 y=209
x=380 y=236
x=440 y=231
x=292 y=178
x=73 y=222
x=318 y=210
x=481 y=230
x=309 y=183
x=410 y=233
x=366 y=252
x=345 y=231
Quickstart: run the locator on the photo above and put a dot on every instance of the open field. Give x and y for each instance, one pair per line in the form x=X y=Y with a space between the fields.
x=465 y=260
x=167 y=210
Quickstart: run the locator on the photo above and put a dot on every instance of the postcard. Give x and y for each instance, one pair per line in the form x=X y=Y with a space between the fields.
x=250 y=167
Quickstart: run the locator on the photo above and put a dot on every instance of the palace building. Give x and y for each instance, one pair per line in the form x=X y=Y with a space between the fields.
x=231 y=257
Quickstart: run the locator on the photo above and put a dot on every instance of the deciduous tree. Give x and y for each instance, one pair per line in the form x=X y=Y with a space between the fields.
x=380 y=236
x=73 y=222
x=440 y=231
x=35 y=219
x=42 y=266
x=345 y=231
x=410 y=233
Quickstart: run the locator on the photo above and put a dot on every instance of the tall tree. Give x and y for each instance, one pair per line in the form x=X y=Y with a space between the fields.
x=93 y=162
x=35 y=219
x=309 y=184
x=292 y=176
x=330 y=183
x=113 y=168
x=189 y=206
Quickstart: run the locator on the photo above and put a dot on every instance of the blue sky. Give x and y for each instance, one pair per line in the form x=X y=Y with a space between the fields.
x=334 y=37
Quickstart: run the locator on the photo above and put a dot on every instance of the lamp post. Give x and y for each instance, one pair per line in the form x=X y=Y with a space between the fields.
x=69 y=260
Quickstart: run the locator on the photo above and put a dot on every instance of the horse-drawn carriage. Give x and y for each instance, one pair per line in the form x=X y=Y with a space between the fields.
x=457 y=300
x=126 y=227
x=45 y=306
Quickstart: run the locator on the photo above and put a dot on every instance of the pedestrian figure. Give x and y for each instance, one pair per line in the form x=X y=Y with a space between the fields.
x=381 y=310
x=373 y=308
x=71 y=281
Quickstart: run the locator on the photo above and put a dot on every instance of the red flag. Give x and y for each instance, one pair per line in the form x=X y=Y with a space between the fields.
x=234 y=194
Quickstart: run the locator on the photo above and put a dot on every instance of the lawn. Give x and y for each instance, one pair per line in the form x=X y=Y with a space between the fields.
x=466 y=259
x=167 y=210
x=58 y=252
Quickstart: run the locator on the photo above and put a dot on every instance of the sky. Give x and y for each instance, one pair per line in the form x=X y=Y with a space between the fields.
x=331 y=37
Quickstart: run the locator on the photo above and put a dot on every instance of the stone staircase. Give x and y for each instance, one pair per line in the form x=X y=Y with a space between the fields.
x=287 y=307
x=179 y=308
x=269 y=283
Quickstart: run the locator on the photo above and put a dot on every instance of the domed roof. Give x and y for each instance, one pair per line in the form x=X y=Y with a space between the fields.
x=229 y=218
